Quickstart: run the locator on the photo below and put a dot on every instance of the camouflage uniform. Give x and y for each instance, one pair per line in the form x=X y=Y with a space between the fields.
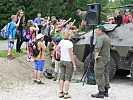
x=101 y=67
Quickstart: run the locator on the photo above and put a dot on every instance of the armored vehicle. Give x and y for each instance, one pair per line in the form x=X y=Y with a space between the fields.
x=121 y=59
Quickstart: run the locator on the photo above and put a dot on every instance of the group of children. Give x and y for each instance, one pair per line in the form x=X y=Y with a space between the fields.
x=52 y=29
x=120 y=19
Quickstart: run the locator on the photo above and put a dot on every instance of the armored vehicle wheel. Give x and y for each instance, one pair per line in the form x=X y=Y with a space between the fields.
x=122 y=72
x=131 y=71
x=112 y=67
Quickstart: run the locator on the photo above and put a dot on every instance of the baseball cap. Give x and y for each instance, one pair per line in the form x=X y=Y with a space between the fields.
x=57 y=39
x=39 y=36
x=100 y=26
x=127 y=10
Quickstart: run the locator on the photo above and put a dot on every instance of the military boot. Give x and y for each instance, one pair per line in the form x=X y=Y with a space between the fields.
x=98 y=95
x=106 y=92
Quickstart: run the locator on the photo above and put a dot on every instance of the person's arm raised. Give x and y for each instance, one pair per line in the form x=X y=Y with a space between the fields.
x=64 y=23
x=72 y=23
x=47 y=22
x=35 y=28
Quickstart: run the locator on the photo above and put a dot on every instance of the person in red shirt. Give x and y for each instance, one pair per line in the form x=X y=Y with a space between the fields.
x=127 y=18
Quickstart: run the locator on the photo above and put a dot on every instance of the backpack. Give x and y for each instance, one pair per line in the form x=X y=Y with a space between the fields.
x=5 y=31
x=35 y=49
x=48 y=73
x=56 y=55
x=26 y=35
x=91 y=79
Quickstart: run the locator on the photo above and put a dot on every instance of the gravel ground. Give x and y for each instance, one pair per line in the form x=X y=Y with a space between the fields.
x=49 y=91
x=16 y=83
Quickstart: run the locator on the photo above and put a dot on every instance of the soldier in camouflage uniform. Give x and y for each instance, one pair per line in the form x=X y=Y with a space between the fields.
x=83 y=15
x=101 y=68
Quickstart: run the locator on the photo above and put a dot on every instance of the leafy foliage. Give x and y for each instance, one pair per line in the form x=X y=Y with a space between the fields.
x=59 y=8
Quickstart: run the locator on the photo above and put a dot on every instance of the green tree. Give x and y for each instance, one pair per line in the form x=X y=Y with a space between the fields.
x=59 y=8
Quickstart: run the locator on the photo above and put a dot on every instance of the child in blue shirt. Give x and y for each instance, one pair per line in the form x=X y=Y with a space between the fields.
x=12 y=33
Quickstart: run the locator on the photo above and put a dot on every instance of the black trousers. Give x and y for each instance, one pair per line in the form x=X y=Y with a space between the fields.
x=40 y=27
x=47 y=39
x=19 y=40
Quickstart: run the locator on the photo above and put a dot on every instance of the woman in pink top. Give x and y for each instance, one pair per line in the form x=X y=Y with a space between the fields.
x=127 y=18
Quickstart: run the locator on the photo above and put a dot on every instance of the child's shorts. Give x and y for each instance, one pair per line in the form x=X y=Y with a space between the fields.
x=39 y=65
x=11 y=43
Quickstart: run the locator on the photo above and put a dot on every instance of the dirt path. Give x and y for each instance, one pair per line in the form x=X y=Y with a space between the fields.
x=16 y=83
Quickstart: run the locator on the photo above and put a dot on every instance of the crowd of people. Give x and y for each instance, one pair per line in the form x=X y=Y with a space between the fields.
x=41 y=33
x=55 y=34
x=51 y=27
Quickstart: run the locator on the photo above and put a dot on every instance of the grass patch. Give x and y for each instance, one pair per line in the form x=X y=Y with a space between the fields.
x=4 y=53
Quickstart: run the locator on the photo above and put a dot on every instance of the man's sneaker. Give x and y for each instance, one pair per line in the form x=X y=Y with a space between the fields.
x=40 y=82
x=61 y=95
x=66 y=96
x=10 y=57
x=98 y=95
x=30 y=59
x=20 y=51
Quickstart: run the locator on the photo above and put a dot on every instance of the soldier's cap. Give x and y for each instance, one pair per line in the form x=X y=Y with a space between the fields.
x=100 y=26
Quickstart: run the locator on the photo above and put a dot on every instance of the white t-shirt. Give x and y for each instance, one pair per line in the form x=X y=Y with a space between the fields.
x=65 y=45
